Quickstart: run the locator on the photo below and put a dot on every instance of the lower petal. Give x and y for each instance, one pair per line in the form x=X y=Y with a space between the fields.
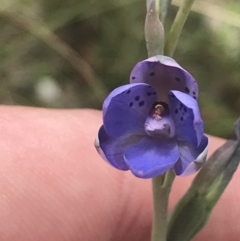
x=151 y=156
x=191 y=158
x=112 y=149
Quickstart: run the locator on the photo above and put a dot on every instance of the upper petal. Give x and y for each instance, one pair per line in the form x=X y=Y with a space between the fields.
x=164 y=74
x=125 y=111
x=151 y=156
x=186 y=115
x=112 y=149
x=191 y=158
x=114 y=93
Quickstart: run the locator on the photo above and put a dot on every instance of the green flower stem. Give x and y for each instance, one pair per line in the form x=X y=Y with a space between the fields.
x=177 y=26
x=154 y=35
x=161 y=188
x=163 y=6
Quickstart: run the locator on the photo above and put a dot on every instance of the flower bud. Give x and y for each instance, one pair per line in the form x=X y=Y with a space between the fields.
x=154 y=31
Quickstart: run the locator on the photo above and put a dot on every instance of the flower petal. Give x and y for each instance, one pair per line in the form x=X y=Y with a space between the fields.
x=164 y=74
x=151 y=156
x=114 y=93
x=112 y=149
x=126 y=112
x=186 y=115
x=191 y=158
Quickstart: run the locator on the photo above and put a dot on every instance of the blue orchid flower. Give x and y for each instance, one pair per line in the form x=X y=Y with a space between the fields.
x=154 y=124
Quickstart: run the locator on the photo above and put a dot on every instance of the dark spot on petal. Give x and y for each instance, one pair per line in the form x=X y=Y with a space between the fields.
x=152 y=74
x=133 y=77
x=185 y=109
x=137 y=98
x=181 y=118
x=195 y=97
x=154 y=93
x=149 y=86
x=141 y=103
x=194 y=92
x=149 y=93
x=177 y=79
x=128 y=92
x=187 y=90
x=131 y=104
x=176 y=111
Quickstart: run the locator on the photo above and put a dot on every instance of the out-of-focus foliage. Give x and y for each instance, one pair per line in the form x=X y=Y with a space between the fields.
x=71 y=53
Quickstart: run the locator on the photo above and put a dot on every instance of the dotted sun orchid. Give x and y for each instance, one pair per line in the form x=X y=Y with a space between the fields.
x=154 y=124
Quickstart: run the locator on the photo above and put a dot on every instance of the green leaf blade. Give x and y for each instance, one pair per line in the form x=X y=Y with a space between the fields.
x=193 y=210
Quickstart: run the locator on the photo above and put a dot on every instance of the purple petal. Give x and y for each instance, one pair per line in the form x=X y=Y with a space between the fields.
x=151 y=156
x=164 y=74
x=191 y=158
x=186 y=115
x=112 y=149
x=114 y=93
x=126 y=112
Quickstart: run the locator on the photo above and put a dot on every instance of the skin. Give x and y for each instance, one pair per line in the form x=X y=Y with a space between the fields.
x=54 y=186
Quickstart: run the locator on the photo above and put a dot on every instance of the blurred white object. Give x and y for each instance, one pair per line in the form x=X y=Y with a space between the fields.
x=47 y=90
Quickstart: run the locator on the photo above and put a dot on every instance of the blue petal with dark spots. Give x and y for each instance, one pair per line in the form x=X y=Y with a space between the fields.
x=123 y=116
x=190 y=126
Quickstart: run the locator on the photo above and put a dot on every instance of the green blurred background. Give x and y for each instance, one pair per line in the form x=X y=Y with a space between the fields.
x=72 y=53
